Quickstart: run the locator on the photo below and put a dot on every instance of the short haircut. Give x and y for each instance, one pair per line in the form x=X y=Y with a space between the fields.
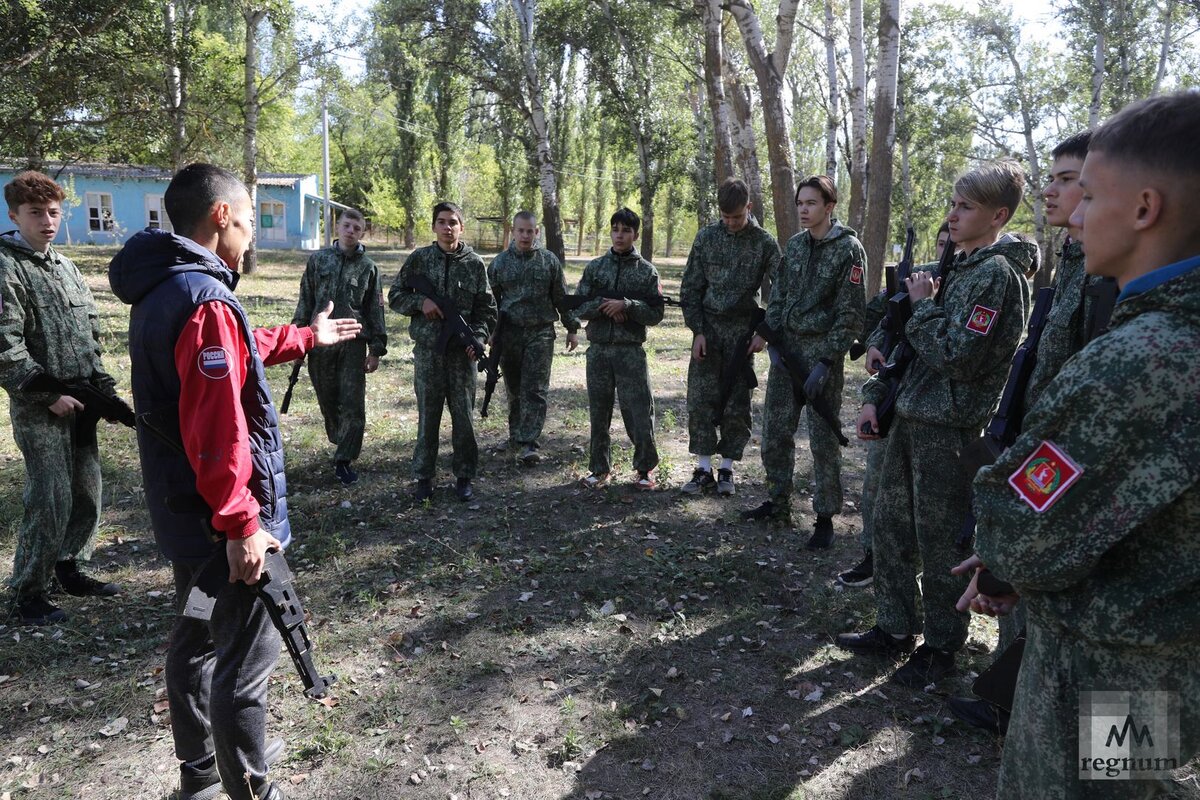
x=733 y=195
x=626 y=216
x=193 y=192
x=1075 y=146
x=1036 y=263
x=31 y=186
x=996 y=184
x=354 y=214
x=945 y=228
x=528 y=216
x=823 y=184
x=1158 y=133
x=453 y=208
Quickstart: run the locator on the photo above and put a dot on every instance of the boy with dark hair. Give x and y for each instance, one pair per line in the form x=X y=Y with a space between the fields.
x=719 y=293
x=964 y=329
x=529 y=286
x=1092 y=513
x=48 y=323
x=344 y=275
x=449 y=378
x=817 y=305
x=616 y=360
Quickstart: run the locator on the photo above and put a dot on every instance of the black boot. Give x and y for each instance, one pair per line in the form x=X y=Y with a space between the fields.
x=77 y=582
x=822 y=534
x=424 y=490
x=462 y=488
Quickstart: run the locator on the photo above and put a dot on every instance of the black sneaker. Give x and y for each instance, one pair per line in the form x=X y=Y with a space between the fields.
x=725 y=482
x=76 y=582
x=424 y=490
x=37 y=611
x=876 y=640
x=927 y=665
x=344 y=473
x=770 y=512
x=203 y=783
x=861 y=575
x=462 y=488
x=702 y=481
x=822 y=535
x=980 y=714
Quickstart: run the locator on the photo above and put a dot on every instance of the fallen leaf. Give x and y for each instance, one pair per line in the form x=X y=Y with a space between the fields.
x=116 y=726
x=608 y=608
x=525 y=597
x=913 y=774
x=815 y=695
x=747 y=712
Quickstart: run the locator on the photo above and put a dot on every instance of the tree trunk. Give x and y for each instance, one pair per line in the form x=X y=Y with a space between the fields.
x=905 y=133
x=856 y=213
x=1035 y=168
x=602 y=186
x=702 y=173
x=253 y=17
x=1165 y=49
x=883 y=141
x=710 y=12
x=831 y=120
x=674 y=200
x=769 y=69
x=743 y=140
x=1097 y=74
x=177 y=32
x=443 y=106
x=647 y=187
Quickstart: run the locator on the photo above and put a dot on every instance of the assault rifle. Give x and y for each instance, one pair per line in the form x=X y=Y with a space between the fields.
x=291 y=387
x=859 y=347
x=898 y=351
x=453 y=324
x=574 y=301
x=804 y=380
x=491 y=364
x=276 y=586
x=1104 y=298
x=899 y=307
x=740 y=366
x=96 y=404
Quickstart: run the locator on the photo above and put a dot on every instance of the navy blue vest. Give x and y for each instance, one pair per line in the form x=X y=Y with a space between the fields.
x=155 y=322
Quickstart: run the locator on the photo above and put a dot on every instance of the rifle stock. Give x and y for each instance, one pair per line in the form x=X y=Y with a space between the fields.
x=291 y=386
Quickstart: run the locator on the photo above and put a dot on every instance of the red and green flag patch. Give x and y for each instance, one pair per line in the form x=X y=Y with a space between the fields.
x=1045 y=476
x=982 y=319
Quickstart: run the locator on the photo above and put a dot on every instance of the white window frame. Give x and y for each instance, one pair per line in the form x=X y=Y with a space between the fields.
x=156 y=214
x=278 y=230
x=102 y=204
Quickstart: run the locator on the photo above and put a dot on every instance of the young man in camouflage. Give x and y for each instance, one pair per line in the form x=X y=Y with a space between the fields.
x=817 y=304
x=344 y=275
x=964 y=330
x=445 y=379
x=1092 y=514
x=616 y=360
x=528 y=283
x=719 y=292
x=48 y=323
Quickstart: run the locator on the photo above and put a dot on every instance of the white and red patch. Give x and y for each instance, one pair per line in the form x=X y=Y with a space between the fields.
x=856 y=274
x=1045 y=476
x=982 y=319
x=213 y=362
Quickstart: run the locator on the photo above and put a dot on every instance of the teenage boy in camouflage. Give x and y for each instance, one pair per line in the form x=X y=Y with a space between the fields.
x=528 y=283
x=616 y=360
x=719 y=292
x=964 y=329
x=445 y=379
x=344 y=275
x=818 y=305
x=48 y=323
x=1092 y=513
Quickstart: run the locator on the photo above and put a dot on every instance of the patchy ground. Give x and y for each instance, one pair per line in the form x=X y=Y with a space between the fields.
x=542 y=641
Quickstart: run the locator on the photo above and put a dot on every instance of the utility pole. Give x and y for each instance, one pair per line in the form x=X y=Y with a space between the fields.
x=326 y=216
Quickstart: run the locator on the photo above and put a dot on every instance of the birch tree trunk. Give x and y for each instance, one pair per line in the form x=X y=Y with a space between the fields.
x=702 y=172
x=858 y=118
x=879 y=204
x=831 y=122
x=253 y=16
x=1097 y=73
x=1165 y=49
x=710 y=14
x=744 y=144
x=177 y=31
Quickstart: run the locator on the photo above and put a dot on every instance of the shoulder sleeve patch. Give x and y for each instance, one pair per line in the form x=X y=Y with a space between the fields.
x=856 y=274
x=1045 y=476
x=982 y=319
x=213 y=362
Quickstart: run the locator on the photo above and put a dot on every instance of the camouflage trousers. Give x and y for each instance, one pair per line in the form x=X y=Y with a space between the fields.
x=780 y=419
x=339 y=380
x=528 y=353
x=875 y=451
x=1042 y=753
x=1011 y=626
x=443 y=381
x=620 y=370
x=704 y=391
x=922 y=499
x=61 y=497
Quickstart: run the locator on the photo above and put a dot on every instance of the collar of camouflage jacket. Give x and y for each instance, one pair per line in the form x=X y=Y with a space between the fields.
x=1164 y=275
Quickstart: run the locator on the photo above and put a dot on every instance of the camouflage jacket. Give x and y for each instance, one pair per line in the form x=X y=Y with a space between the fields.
x=353 y=284
x=965 y=339
x=1093 y=513
x=724 y=272
x=626 y=272
x=818 y=300
x=48 y=321
x=530 y=288
x=460 y=276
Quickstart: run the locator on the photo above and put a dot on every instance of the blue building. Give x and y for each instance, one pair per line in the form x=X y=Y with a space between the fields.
x=108 y=203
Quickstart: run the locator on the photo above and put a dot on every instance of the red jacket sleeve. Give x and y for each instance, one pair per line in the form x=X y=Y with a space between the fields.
x=212 y=360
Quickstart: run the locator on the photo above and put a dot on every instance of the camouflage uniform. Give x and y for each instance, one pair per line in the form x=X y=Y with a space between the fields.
x=445 y=379
x=876 y=307
x=529 y=289
x=964 y=339
x=338 y=374
x=48 y=322
x=1110 y=565
x=818 y=304
x=616 y=361
x=719 y=292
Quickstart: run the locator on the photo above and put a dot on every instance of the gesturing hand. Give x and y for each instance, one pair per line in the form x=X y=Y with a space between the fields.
x=328 y=331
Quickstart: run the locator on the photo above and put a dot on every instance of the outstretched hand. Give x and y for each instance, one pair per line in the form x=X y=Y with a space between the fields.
x=328 y=331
